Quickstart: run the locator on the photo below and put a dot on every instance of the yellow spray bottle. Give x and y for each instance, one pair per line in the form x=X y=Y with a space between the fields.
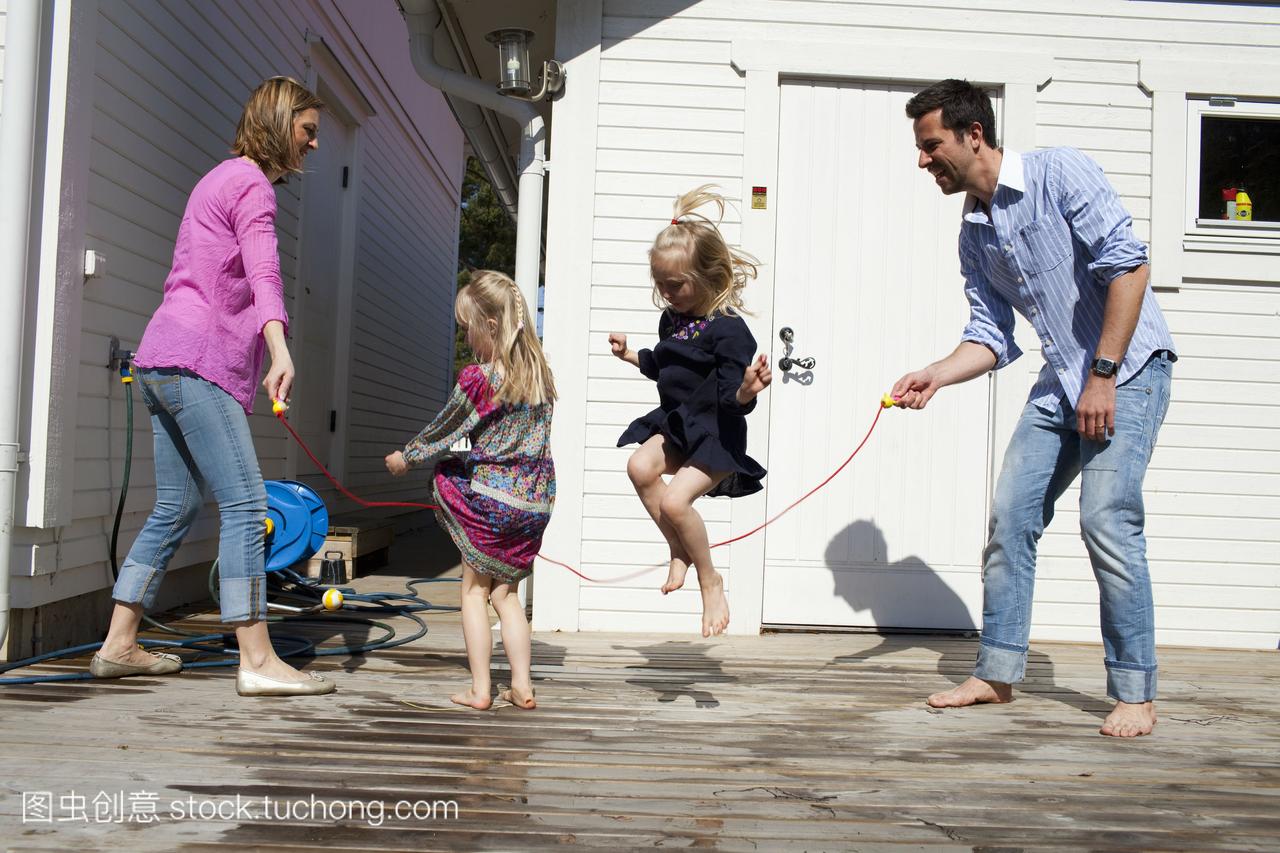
x=1244 y=206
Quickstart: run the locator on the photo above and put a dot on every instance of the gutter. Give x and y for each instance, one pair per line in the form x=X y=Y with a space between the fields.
x=480 y=126
x=17 y=168
x=422 y=18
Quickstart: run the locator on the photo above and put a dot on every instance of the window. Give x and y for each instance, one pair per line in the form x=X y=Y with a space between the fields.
x=1233 y=185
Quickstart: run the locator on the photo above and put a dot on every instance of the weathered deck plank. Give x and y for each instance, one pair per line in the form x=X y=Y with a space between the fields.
x=779 y=742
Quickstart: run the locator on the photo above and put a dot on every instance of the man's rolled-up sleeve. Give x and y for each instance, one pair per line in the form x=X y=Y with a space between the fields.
x=990 y=315
x=1097 y=218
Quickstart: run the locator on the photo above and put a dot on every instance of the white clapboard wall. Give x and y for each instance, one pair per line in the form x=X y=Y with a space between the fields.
x=169 y=83
x=4 y=4
x=671 y=115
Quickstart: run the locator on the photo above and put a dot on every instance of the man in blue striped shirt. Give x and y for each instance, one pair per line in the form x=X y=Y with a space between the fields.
x=1045 y=235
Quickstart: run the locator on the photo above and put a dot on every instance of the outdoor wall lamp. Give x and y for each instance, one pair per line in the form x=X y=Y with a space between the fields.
x=513 y=66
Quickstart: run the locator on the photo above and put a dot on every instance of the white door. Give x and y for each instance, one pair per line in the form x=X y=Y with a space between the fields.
x=868 y=281
x=315 y=413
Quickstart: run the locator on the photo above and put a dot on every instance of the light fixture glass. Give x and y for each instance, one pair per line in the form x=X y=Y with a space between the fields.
x=513 y=60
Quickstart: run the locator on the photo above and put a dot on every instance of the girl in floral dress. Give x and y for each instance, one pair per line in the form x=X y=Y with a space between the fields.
x=497 y=501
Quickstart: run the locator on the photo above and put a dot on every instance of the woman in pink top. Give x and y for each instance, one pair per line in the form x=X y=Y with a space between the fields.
x=199 y=362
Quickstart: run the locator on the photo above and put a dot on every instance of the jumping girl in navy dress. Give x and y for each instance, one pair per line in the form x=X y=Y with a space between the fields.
x=707 y=384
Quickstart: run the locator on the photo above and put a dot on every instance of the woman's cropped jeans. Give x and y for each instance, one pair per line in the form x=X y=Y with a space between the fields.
x=202 y=440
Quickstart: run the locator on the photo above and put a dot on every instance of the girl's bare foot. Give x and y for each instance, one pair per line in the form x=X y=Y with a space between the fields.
x=675 y=576
x=521 y=697
x=471 y=698
x=1130 y=720
x=974 y=691
x=715 y=607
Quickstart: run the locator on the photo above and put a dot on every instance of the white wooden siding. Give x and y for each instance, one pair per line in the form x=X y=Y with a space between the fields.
x=671 y=116
x=170 y=84
x=647 y=89
x=4 y=4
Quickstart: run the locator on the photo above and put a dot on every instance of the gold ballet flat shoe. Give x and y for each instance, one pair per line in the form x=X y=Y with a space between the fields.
x=254 y=684
x=164 y=664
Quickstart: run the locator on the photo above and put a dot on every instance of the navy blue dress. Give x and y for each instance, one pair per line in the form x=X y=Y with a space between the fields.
x=698 y=365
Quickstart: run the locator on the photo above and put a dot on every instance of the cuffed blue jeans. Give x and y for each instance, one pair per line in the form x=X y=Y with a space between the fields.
x=202 y=441
x=1044 y=456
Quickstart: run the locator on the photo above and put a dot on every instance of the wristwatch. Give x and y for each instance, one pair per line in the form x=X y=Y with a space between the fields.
x=1104 y=367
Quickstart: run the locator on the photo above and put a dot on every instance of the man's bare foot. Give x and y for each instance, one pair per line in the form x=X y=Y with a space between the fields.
x=974 y=691
x=715 y=607
x=471 y=698
x=521 y=697
x=1130 y=720
x=675 y=576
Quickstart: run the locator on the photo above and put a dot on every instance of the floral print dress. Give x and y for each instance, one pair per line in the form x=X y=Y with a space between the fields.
x=497 y=501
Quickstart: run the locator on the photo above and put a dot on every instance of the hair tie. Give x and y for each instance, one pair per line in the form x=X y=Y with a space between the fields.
x=675 y=222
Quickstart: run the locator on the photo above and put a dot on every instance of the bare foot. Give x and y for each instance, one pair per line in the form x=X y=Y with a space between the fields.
x=675 y=576
x=715 y=607
x=974 y=691
x=471 y=698
x=1130 y=720
x=521 y=697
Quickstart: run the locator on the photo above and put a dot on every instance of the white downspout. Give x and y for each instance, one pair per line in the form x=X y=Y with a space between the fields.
x=533 y=144
x=17 y=141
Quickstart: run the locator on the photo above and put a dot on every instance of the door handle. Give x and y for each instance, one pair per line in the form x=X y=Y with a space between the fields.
x=786 y=363
x=787 y=335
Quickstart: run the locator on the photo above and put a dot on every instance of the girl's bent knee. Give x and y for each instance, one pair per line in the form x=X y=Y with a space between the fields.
x=674 y=507
x=642 y=471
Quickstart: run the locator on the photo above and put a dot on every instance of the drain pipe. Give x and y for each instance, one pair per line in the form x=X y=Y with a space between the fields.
x=17 y=166
x=422 y=18
x=478 y=131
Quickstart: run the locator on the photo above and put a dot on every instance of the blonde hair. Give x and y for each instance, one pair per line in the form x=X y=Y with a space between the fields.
x=517 y=351
x=265 y=131
x=718 y=271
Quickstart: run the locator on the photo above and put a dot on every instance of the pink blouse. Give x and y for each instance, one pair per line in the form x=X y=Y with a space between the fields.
x=224 y=285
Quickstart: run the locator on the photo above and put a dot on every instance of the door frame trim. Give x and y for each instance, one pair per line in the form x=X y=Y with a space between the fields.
x=345 y=102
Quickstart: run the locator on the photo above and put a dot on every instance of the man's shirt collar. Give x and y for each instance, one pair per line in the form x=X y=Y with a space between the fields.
x=1010 y=176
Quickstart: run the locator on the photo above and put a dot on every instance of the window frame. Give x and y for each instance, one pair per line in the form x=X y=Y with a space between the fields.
x=1245 y=256
x=1199 y=106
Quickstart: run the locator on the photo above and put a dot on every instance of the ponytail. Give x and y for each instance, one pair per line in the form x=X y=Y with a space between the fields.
x=719 y=271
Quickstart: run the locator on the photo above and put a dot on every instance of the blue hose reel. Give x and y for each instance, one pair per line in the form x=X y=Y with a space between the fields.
x=297 y=523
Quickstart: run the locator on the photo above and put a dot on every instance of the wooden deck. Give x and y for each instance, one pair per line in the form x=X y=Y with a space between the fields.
x=778 y=742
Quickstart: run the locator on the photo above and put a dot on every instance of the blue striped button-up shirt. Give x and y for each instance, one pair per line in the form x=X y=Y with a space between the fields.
x=1056 y=235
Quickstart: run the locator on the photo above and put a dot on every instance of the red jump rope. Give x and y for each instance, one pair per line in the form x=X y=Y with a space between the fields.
x=886 y=402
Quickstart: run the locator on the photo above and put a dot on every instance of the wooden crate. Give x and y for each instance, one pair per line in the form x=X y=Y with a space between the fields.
x=362 y=543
